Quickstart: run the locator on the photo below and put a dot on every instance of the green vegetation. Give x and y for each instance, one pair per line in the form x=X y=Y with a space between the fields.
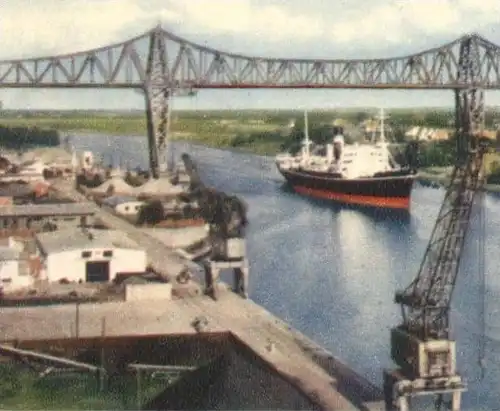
x=23 y=390
x=259 y=131
x=493 y=168
x=17 y=137
x=108 y=125
x=437 y=154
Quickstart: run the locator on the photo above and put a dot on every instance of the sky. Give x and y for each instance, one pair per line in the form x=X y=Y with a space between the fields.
x=271 y=28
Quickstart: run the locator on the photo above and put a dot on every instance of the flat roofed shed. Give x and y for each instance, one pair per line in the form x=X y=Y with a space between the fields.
x=49 y=210
x=9 y=254
x=70 y=239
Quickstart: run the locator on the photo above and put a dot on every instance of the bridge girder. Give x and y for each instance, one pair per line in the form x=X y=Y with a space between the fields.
x=159 y=63
x=189 y=65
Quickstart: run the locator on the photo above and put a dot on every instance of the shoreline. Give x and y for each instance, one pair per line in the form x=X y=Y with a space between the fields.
x=428 y=176
x=438 y=180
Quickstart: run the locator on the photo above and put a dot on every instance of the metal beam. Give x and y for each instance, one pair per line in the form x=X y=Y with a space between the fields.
x=6 y=350
x=189 y=65
x=157 y=93
x=165 y=368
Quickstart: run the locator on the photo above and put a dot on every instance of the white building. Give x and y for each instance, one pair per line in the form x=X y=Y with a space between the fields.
x=427 y=134
x=14 y=275
x=88 y=256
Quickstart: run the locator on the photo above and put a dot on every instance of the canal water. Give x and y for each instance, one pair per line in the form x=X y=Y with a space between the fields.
x=331 y=272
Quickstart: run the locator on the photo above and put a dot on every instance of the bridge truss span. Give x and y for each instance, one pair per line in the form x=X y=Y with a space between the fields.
x=189 y=65
x=159 y=63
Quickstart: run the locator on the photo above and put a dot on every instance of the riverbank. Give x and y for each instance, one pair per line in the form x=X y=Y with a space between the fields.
x=21 y=136
x=440 y=177
x=232 y=135
x=227 y=134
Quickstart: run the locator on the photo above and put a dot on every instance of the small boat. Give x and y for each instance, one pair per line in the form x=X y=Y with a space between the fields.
x=363 y=174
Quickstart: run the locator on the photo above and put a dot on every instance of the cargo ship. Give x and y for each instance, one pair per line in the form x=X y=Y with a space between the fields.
x=364 y=174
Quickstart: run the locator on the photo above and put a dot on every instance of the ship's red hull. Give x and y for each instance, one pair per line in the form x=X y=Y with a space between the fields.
x=387 y=190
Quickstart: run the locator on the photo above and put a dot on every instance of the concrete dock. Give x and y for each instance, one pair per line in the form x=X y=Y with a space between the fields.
x=325 y=380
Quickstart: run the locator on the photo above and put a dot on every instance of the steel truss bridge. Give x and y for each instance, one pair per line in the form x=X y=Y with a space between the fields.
x=158 y=63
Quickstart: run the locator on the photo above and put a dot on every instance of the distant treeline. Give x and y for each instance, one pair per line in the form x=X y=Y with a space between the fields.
x=431 y=153
x=16 y=138
x=404 y=117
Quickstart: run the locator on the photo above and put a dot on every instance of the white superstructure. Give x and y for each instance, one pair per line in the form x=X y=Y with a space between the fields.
x=351 y=161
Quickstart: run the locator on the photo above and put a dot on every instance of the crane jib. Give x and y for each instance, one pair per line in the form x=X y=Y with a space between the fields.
x=421 y=346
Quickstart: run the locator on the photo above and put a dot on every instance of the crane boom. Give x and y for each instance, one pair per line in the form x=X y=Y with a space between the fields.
x=421 y=344
x=426 y=301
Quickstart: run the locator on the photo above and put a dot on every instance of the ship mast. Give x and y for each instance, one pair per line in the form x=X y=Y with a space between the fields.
x=307 y=141
x=382 y=125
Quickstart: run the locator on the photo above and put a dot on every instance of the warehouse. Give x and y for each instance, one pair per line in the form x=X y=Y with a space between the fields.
x=88 y=255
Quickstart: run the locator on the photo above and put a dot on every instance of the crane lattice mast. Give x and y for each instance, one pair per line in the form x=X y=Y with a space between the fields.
x=421 y=345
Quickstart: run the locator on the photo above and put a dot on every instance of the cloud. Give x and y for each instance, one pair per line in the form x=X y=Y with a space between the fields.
x=392 y=23
x=271 y=22
x=411 y=21
x=29 y=28
x=322 y=28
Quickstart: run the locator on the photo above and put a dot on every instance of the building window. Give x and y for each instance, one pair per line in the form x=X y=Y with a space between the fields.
x=86 y=254
x=108 y=253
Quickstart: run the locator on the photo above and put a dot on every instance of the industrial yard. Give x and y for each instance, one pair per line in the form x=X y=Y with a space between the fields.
x=85 y=263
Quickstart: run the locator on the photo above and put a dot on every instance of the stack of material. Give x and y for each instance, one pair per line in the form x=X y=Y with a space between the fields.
x=21 y=190
x=161 y=187
x=40 y=188
x=113 y=186
x=117 y=172
x=175 y=238
x=46 y=155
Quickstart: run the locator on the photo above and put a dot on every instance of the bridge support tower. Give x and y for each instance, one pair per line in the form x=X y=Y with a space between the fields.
x=157 y=93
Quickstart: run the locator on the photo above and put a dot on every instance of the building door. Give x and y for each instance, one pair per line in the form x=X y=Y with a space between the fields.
x=97 y=271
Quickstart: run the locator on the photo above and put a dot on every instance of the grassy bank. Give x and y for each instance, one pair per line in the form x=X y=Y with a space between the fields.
x=441 y=175
x=23 y=390
x=107 y=125
x=211 y=132
x=258 y=131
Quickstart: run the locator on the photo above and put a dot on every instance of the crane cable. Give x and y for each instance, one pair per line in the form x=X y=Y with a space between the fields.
x=482 y=284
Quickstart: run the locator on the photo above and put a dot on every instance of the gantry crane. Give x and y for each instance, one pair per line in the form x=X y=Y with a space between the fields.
x=226 y=216
x=421 y=345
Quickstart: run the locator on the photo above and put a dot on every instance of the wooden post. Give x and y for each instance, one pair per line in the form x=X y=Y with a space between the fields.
x=103 y=368
x=77 y=320
x=138 y=378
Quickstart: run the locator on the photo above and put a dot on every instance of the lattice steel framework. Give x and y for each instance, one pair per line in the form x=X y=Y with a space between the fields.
x=189 y=65
x=426 y=301
x=157 y=91
x=158 y=62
